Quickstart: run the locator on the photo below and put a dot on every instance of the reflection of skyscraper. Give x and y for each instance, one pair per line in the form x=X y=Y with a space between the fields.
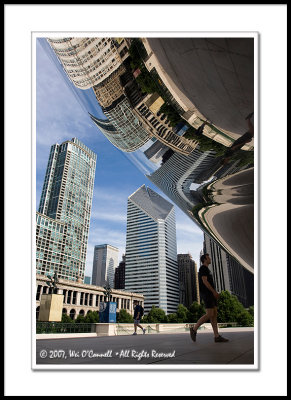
x=177 y=173
x=62 y=223
x=87 y=60
x=104 y=263
x=151 y=250
x=127 y=133
x=188 y=280
x=228 y=274
x=156 y=151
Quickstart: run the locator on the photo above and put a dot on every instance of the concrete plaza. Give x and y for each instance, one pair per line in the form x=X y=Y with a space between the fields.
x=150 y=349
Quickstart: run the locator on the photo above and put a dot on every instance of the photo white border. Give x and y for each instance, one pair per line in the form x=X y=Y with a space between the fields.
x=169 y=366
x=271 y=22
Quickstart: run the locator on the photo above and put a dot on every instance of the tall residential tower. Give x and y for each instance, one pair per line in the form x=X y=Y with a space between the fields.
x=63 y=218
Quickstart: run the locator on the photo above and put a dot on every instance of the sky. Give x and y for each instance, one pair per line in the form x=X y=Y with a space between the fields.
x=60 y=117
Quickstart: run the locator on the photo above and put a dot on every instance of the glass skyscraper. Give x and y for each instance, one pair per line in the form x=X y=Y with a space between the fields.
x=63 y=218
x=151 y=250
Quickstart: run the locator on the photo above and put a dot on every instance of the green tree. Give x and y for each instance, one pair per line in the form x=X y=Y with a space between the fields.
x=205 y=143
x=92 y=317
x=251 y=310
x=172 y=115
x=156 y=315
x=80 y=319
x=66 y=319
x=244 y=157
x=244 y=318
x=124 y=316
x=182 y=313
x=231 y=310
x=172 y=318
x=196 y=311
x=137 y=53
x=146 y=81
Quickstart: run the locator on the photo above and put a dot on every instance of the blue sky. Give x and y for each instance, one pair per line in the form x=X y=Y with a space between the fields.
x=59 y=117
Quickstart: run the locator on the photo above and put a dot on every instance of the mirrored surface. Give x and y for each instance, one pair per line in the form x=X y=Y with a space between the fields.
x=181 y=109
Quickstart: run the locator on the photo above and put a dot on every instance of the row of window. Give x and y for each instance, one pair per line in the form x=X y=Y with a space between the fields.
x=86 y=299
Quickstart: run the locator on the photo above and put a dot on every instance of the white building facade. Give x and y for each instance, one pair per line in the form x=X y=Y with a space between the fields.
x=151 y=250
x=87 y=60
x=104 y=264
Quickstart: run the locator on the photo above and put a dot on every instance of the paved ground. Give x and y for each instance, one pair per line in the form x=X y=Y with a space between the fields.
x=158 y=349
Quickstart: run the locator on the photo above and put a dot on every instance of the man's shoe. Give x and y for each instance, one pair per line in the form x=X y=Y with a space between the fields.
x=220 y=339
x=193 y=334
x=144 y=331
x=134 y=333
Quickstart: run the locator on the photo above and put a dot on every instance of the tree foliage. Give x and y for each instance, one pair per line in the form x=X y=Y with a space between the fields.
x=231 y=310
x=92 y=317
x=172 y=115
x=156 y=315
x=196 y=311
x=124 y=316
x=66 y=319
x=205 y=143
x=182 y=313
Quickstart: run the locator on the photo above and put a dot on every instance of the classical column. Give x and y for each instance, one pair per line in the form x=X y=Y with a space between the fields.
x=94 y=300
x=78 y=298
x=40 y=292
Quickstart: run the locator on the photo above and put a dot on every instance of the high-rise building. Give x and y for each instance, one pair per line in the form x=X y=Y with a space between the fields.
x=188 y=280
x=104 y=263
x=88 y=60
x=63 y=218
x=122 y=128
x=176 y=182
x=228 y=274
x=151 y=250
x=119 y=278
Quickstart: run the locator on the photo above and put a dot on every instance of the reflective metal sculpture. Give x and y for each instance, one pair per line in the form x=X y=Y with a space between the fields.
x=181 y=110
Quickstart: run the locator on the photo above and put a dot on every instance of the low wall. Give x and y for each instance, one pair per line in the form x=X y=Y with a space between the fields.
x=116 y=329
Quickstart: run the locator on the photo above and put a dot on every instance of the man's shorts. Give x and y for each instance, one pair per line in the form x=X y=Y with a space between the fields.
x=209 y=301
x=136 y=321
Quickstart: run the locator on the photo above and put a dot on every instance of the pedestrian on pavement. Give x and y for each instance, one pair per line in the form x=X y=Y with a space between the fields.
x=138 y=313
x=209 y=296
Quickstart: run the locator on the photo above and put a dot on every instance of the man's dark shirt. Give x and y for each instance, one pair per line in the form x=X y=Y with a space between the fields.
x=137 y=309
x=204 y=271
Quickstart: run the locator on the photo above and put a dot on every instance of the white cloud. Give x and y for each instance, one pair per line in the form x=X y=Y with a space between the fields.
x=108 y=216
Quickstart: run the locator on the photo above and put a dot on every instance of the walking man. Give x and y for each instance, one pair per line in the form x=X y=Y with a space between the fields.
x=210 y=296
x=138 y=313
